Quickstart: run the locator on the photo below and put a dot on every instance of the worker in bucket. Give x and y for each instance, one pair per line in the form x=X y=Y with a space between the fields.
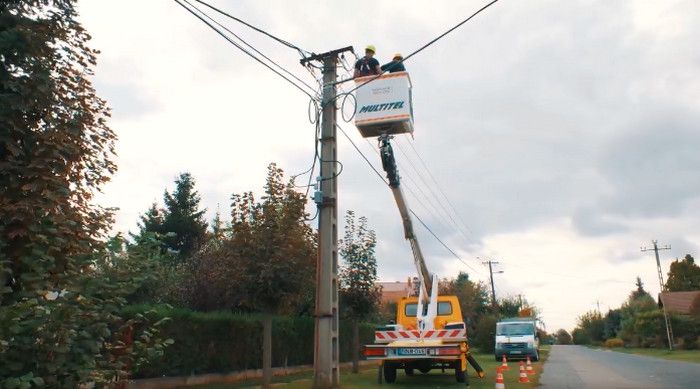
x=367 y=65
x=395 y=65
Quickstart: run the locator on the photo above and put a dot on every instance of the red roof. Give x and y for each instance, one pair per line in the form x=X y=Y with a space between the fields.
x=679 y=302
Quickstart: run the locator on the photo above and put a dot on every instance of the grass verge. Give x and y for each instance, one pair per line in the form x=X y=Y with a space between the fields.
x=367 y=378
x=676 y=355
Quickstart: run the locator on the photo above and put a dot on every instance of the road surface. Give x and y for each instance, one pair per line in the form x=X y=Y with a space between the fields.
x=579 y=367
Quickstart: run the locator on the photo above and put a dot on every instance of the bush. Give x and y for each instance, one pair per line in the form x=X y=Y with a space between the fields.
x=614 y=343
x=580 y=336
x=220 y=342
x=485 y=334
x=563 y=336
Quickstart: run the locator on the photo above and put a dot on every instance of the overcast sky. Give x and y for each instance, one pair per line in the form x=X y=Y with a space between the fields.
x=564 y=133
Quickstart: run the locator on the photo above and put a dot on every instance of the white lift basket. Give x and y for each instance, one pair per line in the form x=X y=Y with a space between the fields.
x=384 y=105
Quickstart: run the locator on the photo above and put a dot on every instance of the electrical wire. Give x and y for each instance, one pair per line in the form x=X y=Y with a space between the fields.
x=239 y=46
x=254 y=49
x=427 y=44
x=441 y=242
x=422 y=161
x=440 y=208
x=282 y=41
x=437 y=198
x=411 y=210
x=405 y=174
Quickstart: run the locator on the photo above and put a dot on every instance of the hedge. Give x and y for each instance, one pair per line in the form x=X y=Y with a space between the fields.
x=220 y=342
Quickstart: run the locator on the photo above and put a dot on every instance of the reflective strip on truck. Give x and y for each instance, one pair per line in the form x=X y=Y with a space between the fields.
x=390 y=336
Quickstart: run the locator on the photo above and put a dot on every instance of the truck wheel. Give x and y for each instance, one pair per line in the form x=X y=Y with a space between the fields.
x=409 y=371
x=389 y=374
x=536 y=356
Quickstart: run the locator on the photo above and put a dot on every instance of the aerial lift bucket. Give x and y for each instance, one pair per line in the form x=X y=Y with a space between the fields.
x=384 y=105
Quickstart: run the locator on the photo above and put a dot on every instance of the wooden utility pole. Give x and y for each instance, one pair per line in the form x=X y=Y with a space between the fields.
x=493 y=288
x=669 y=330
x=326 y=357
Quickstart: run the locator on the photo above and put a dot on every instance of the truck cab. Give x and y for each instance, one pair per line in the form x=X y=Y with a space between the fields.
x=516 y=338
x=448 y=312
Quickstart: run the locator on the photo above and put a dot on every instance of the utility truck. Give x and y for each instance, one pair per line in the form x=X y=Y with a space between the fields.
x=429 y=331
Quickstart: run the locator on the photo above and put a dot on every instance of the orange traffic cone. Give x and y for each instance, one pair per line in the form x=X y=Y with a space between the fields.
x=523 y=375
x=499 y=379
x=504 y=365
x=529 y=368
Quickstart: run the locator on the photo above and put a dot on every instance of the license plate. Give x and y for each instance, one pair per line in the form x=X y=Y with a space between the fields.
x=413 y=351
x=515 y=352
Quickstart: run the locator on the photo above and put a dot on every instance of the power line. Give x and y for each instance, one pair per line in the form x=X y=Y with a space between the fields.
x=441 y=242
x=405 y=173
x=422 y=161
x=427 y=44
x=432 y=209
x=252 y=48
x=445 y=211
x=411 y=210
x=282 y=41
x=239 y=46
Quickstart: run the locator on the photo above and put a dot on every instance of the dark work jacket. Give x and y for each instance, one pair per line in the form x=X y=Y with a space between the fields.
x=394 y=66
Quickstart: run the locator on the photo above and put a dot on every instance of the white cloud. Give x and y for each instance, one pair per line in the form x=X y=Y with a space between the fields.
x=528 y=116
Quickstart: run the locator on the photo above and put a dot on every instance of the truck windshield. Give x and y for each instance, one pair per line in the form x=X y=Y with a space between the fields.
x=515 y=329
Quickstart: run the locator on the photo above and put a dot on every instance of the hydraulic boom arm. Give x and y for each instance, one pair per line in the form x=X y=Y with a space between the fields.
x=392 y=173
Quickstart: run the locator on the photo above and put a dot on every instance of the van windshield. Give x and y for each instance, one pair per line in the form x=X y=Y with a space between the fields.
x=515 y=329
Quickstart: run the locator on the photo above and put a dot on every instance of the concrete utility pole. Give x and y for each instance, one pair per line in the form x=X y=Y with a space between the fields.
x=669 y=330
x=493 y=288
x=326 y=358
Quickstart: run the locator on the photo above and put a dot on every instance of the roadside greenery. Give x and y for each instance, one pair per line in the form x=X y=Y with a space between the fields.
x=359 y=294
x=62 y=284
x=225 y=341
x=639 y=322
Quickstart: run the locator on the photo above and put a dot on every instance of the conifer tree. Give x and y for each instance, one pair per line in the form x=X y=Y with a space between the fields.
x=183 y=220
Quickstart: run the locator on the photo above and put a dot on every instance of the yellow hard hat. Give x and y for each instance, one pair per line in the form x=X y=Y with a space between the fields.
x=371 y=48
x=398 y=55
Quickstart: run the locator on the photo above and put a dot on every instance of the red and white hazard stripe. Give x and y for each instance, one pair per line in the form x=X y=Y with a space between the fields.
x=390 y=336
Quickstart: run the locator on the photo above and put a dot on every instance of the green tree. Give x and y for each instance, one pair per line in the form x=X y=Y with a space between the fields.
x=485 y=333
x=612 y=323
x=151 y=223
x=640 y=291
x=563 y=336
x=276 y=249
x=218 y=229
x=266 y=263
x=684 y=275
x=183 y=221
x=509 y=306
x=638 y=303
x=592 y=326
x=60 y=322
x=473 y=296
x=580 y=336
x=358 y=293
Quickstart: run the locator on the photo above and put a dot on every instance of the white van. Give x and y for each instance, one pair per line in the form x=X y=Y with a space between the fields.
x=516 y=338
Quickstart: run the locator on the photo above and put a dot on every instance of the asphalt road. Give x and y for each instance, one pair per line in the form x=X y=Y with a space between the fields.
x=581 y=367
